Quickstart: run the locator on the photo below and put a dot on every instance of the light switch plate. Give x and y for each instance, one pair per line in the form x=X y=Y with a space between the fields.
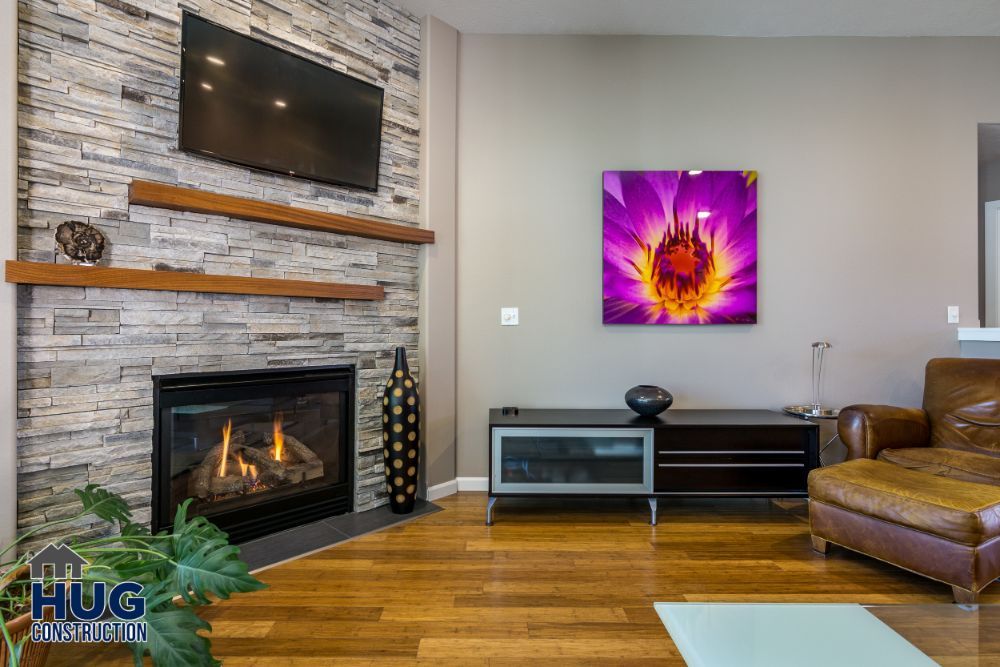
x=952 y=314
x=508 y=317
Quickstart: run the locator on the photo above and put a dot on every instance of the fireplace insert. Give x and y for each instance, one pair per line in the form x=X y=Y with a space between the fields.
x=256 y=451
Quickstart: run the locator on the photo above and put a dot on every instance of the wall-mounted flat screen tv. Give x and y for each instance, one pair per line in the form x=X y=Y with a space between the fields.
x=247 y=102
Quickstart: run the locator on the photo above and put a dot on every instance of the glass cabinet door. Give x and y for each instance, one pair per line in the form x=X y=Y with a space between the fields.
x=585 y=461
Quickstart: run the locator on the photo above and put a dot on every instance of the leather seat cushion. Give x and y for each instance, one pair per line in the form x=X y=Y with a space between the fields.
x=953 y=463
x=953 y=509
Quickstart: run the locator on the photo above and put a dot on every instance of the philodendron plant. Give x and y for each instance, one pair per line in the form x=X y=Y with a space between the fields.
x=179 y=570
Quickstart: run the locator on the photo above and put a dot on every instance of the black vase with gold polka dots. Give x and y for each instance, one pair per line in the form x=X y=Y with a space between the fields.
x=401 y=436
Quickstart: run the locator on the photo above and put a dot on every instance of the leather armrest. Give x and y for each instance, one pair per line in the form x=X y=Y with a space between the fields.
x=868 y=429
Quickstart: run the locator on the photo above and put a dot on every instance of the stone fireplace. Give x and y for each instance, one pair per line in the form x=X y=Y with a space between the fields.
x=254 y=451
x=98 y=109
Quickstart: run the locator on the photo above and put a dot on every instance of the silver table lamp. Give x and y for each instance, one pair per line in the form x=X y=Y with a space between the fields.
x=815 y=410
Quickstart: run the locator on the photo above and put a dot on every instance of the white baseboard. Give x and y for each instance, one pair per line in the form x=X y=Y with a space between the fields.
x=473 y=483
x=453 y=486
x=441 y=490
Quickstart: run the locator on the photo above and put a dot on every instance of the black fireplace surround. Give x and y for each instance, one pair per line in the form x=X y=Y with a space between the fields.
x=256 y=451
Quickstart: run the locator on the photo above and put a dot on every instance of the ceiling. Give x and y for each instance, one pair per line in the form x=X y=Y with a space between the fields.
x=745 y=18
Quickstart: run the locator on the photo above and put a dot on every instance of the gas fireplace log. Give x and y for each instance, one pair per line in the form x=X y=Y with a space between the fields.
x=219 y=486
x=299 y=452
x=302 y=463
x=200 y=485
x=299 y=464
x=201 y=477
x=308 y=465
x=301 y=472
x=269 y=471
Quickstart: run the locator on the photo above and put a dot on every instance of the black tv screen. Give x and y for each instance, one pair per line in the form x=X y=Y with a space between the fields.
x=250 y=103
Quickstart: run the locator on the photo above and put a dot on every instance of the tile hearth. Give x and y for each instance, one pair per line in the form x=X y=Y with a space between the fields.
x=294 y=542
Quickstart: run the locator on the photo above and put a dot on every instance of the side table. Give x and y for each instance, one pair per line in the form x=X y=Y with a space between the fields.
x=809 y=412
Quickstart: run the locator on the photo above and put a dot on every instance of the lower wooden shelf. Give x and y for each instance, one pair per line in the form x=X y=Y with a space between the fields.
x=38 y=273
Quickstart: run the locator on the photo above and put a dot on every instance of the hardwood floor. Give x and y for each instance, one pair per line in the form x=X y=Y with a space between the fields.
x=551 y=582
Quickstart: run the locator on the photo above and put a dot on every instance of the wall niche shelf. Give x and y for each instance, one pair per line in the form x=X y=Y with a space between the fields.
x=67 y=275
x=160 y=195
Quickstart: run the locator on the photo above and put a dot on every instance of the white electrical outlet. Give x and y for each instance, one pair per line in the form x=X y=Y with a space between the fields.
x=952 y=314
x=508 y=317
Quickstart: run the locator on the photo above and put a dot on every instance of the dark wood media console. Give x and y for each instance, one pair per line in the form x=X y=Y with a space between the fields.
x=681 y=453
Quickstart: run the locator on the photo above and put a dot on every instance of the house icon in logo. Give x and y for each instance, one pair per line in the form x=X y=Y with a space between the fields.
x=61 y=558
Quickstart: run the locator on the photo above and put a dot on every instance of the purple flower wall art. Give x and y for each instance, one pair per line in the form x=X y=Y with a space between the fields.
x=680 y=247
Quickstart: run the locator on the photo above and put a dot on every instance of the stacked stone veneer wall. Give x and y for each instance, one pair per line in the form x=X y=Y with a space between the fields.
x=99 y=107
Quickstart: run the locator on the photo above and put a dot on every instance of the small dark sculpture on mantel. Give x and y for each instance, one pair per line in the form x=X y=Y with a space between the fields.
x=80 y=242
x=648 y=400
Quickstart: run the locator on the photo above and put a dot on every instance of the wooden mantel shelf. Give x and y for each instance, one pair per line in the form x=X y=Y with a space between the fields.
x=39 y=273
x=159 y=195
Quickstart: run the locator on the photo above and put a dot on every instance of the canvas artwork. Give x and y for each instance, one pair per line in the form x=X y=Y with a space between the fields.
x=680 y=247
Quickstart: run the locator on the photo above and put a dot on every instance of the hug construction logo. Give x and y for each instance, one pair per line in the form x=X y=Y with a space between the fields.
x=58 y=584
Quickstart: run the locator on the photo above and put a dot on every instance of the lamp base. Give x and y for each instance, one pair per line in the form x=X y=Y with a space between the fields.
x=811 y=412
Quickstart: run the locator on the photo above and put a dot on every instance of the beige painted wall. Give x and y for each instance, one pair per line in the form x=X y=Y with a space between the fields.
x=438 y=99
x=867 y=224
x=8 y=250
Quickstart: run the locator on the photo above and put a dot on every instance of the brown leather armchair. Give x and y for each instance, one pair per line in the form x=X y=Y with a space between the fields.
x=921 y=486
x=868 y=429
x=956 y=434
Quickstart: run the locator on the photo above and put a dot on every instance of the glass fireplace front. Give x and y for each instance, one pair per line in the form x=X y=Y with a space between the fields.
x=255 y=451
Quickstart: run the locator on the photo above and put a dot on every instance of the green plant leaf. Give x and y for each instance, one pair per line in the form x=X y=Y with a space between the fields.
x=197 y=525
x=193 y=561
x=136 y=569
x=211 y=567
x=13 y=597
x=13 y=649
x=104 y=504
x=133 y=560
x=134 y=530
x=172 y=639
x=159 y=595
x=204 y=563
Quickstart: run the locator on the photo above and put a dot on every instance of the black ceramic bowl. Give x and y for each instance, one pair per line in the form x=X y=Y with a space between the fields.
x=648 y=400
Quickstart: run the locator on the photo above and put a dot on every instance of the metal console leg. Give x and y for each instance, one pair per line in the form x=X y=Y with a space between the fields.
x=652 y=511
x=489 y=510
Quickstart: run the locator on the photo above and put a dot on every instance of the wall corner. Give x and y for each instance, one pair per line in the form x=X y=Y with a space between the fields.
x=438 y=262
x=8 y=292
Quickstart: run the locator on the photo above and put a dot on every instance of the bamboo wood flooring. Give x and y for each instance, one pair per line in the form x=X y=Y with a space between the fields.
x=550 y=583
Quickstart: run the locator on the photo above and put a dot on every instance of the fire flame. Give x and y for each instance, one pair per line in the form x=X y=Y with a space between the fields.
x=247 y=469
x=279 y=437
x=226 y=432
